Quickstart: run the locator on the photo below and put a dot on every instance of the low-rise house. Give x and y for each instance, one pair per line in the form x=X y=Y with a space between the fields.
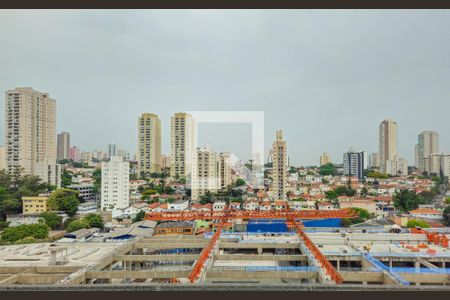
x=344 y=198
x=265 y=205
x=136 y=208
x=178 y=205
x=151 y=207
x=200 y=207
x=280 y=204
x=235 y=205
x=26 y=219
x=22 y=219
x=250 y=205
x=219 y=205
x=426 y=213
x=175 y=228
x=325 y=206
x=87 y=207
x=296 y=205
x=368 y=205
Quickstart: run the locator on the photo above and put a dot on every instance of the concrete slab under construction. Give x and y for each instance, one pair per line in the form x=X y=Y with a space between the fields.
x=257 y=259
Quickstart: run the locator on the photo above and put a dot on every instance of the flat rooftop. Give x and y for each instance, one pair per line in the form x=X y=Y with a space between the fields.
x=78 y=254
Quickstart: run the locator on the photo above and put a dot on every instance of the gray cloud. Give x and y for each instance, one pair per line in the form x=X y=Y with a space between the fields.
x=327 y=78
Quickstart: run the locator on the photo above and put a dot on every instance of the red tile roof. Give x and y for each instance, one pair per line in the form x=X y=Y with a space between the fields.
x=426 y=211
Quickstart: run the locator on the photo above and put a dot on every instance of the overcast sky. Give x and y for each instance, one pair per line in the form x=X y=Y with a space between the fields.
x=326 y=78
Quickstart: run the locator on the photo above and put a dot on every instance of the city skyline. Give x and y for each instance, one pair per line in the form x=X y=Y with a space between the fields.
x=324 y=101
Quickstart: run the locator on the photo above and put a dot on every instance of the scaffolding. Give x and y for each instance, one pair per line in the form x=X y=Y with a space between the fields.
x=249 y=214
x=323 y=261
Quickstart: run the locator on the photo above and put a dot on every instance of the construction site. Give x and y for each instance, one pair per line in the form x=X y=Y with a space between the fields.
x=296 y=258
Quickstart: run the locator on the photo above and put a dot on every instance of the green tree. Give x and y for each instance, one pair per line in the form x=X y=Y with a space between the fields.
x=240 y=182
x=66 y=178
x=327 y=169
x=364 y=192
x=10 y=205
x=377 y=175
x=446 y=215
x=64 y=200
x=97 y=177
x=406 y=200
x=331 y=195
x=12 y=234
x=147 y=193
x=51 y=219
x=139 y=216
x=206 y=198
x=14 y=186
x=346 y=222
x=94 y=220
x=3 y=225
x=428 y=195
x=76 y=225
x=417 y=223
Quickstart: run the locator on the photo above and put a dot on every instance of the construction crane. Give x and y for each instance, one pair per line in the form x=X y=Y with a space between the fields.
x=227 y=214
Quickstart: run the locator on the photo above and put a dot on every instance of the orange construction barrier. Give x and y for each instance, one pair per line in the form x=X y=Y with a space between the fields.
x=324 y=262
x=422 y=246
x=249 y=214
x=431 y=251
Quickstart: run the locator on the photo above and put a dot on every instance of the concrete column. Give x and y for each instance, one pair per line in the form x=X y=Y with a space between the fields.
x=338 y=265
x=312 y=280
x=416 y=264
x=260 y=250
x=443 y=264
x=390 y=263
x=364 y=282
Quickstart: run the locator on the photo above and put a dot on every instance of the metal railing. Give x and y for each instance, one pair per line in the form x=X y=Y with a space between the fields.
x=266 y=268
x=382 y=267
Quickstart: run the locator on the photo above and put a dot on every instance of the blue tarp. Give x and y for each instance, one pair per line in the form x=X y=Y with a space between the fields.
x=267 y=226
x=279 y=225
x=332 y=222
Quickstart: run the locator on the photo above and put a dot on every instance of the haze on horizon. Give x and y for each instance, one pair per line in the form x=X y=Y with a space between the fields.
x=326 y=78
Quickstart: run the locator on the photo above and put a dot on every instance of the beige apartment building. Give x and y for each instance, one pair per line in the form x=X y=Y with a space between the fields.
x=63 y=146
x=388 y=143
x=149 y=144
x=2 y=158
x=183 y=143
x=30 y=129
x=445 y=164
x=165 y=162
x=428 y=144
x=279 y=170
x=205 y=173
x=325 y=159
x=225 y=170
x=34 y=205
x=396 y=167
